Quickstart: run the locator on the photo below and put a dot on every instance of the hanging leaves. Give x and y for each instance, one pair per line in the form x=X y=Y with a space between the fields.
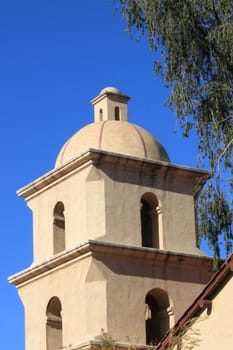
x=193 y=45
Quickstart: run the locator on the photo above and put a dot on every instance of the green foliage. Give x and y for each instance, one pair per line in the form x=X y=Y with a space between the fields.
x=106 y=341
x=215 y=217
x=66 y=347
x=193 y=44
x=188 y=337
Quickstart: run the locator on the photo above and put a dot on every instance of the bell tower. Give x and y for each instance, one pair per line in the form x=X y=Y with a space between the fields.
x=114 y=240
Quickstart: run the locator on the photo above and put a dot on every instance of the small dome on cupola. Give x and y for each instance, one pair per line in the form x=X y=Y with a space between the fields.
x=112 y=132
x=110 y=89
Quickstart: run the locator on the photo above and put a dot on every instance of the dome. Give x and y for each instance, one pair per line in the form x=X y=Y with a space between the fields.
x=110 y=89
x=113 y=136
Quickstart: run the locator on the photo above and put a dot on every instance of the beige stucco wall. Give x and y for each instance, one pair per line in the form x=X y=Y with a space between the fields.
x=215 y=327
x=123 y=191
x=84 y=213
x=106 y=291
x=83 y=304
x=129 y=281
x=104 y=203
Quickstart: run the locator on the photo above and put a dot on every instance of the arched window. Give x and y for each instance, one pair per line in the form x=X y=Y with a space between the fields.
x=117 y=113
x=54 y=324
x=150 y=221
x=159 y=316
x=58 y=228
x=101 y=115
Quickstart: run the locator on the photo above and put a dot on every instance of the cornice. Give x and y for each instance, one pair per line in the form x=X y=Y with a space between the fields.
x=98 y=249
x=97 y=157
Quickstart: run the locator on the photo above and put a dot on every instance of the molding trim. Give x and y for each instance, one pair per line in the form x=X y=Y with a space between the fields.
x=102 y=249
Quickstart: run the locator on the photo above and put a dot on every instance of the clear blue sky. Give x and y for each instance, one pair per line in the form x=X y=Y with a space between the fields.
x=55 y=56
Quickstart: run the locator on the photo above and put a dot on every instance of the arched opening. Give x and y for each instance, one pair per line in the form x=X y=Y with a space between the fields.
x=117 y=113
x=58 y=228
x=101 y=115
x=54 y=324
x=150 y=221
x=158 y=315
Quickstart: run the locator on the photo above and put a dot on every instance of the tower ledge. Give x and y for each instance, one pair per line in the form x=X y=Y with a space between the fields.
x=95 y=156
x=160 y=258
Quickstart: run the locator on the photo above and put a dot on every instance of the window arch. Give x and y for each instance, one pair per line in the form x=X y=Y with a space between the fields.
x=54 y=324
x=159 y=317
x=117 y=113
x=150 y=221
x=58 y=228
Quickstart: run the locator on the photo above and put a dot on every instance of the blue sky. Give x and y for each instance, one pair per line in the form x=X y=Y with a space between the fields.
x=55 y=56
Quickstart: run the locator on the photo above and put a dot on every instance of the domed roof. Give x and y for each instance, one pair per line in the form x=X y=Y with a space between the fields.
x=110 y=89
x=112 y=132
x=114 y=136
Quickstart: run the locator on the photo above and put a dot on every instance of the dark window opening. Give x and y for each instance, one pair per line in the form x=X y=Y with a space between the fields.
x=101 y=115
x=149 y=221
x=58 y=228
x=117 y=113
x=157 y=318
x=54 y=324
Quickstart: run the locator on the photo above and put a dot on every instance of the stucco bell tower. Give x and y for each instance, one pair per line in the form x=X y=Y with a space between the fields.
x=114 y=237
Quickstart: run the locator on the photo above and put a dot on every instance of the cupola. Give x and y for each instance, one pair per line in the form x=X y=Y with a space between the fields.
x=110 y=104
x=112 y=132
